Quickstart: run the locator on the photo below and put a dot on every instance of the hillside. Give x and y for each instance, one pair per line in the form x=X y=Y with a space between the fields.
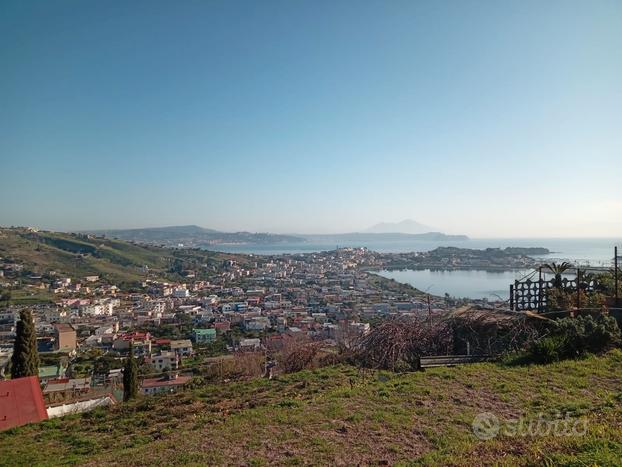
x=192 y=236
x=79 y=255
x=337 y=415
x=382 y=237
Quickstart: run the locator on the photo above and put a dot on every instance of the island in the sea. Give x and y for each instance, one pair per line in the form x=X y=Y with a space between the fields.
x=466 y=258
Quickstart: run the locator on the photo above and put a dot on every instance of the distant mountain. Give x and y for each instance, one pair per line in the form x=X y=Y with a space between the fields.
x=382 y=237
x=407 y=226
x=192 y=236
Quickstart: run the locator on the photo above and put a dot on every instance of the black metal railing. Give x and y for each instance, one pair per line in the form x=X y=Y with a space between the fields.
x=531 y=294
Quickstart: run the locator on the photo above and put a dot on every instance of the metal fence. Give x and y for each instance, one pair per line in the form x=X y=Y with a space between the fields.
x=531 y=295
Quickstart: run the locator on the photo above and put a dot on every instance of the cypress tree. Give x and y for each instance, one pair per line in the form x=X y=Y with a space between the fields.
x=130 y=376
x=5 y=298
x=25 y=359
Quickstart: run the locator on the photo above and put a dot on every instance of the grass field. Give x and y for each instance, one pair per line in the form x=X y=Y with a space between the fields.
x=29 y=296
x=337 y=415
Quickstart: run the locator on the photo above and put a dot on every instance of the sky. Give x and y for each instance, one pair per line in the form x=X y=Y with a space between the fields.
x=485 y=118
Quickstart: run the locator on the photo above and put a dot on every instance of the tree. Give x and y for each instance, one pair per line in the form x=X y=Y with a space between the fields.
x=130 y=376
x=558 y=270
x=5 y=298
x=25 y=359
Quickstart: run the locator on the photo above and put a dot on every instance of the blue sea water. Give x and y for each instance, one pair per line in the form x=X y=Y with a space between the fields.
x=596 y=251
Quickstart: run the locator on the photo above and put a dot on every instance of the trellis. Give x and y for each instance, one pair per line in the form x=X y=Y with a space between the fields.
x=530 y=295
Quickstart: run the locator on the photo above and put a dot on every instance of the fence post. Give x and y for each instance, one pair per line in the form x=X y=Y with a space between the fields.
x=540 y=289
x=615 y=273
x=511 y=297
x=578 y=289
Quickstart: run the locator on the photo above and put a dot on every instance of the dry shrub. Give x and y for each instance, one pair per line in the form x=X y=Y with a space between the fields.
x=397 y=343
x=300 y=357
x=494 y=333
x=333 y=358
x=243 y=365
x=248 y=364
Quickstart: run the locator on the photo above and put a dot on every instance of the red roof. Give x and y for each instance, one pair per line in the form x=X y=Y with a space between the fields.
x=135 y=336
x=58 y=381
x=21 y=402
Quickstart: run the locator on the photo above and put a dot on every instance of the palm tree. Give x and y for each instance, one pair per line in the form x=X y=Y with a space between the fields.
x=558 y=270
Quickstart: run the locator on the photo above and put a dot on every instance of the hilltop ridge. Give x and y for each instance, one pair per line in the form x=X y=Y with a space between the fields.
x=82 y=254
x=191 y=236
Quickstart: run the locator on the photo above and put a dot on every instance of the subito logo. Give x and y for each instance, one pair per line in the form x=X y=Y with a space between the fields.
x=485 y=425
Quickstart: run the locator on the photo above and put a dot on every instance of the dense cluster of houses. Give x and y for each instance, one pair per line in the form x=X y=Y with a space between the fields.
x=277 y=300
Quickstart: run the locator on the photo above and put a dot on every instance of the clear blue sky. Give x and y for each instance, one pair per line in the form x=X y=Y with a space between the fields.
x=489 y=118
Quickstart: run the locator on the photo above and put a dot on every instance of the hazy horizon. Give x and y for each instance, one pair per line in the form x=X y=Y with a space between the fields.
x=327 y=232
x=493 y=120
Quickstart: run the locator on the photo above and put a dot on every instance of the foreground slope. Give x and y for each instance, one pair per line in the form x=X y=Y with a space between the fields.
x=339 y=415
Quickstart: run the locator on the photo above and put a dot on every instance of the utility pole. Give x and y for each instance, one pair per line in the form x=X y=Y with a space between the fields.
x=615 y=274
x=578 y=289
x=429 y=311
x=540 y=289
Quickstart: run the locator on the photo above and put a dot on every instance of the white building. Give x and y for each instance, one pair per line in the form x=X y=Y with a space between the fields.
x=183 y=347
x=250 y=344
x=257 y=324
x=181 y=292
x=165 y=361
x=97 y=309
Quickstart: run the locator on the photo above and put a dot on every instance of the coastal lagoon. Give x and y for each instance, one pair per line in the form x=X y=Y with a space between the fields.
x=460 y=283
x=493 y=285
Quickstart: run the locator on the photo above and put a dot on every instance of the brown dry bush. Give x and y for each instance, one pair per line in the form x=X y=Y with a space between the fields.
x=300 y=357
x=494 y=333
x=397 y=343
x=243 y=365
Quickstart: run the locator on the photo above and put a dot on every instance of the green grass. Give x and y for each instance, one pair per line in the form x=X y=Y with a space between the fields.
x=339 y=415
x=31 y=296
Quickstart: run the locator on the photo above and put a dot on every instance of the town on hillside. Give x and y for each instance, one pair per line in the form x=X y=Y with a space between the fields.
x=88 y=322
x=212 y=316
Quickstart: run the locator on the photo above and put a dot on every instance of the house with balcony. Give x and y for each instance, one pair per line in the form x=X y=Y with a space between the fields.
x=182 y=347
x=203 y=336
x=165 y=361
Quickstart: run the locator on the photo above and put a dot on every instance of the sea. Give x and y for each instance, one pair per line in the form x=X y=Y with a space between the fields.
x=474 y=284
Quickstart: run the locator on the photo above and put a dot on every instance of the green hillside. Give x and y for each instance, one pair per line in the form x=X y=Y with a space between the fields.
x=79 y=255
x=337 y=415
